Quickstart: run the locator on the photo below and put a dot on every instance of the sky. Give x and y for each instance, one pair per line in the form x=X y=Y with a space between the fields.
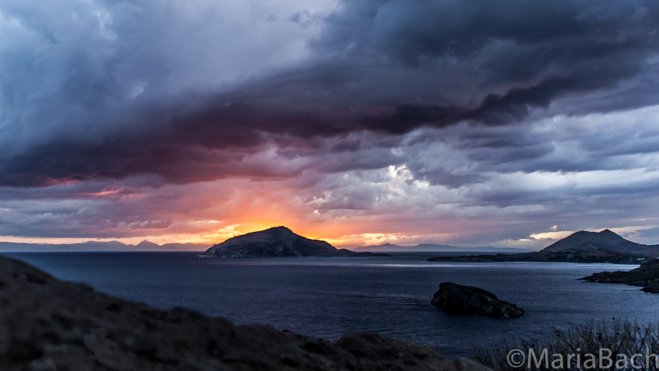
x=476 y=123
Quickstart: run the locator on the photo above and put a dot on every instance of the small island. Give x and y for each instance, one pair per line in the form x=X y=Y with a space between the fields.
x=462 y=299
x=580 y=247
x=277 y=242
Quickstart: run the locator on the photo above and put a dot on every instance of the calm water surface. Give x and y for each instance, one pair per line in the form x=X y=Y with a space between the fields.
x=327 y=297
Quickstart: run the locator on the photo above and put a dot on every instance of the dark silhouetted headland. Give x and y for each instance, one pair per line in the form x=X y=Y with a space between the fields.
x=647 y=276
x=582 y=247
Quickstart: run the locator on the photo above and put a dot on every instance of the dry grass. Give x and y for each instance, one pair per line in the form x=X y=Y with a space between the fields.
x=621 y=337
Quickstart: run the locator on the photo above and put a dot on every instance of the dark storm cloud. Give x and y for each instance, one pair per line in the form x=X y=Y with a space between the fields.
x=112 y=109
x=508 y=56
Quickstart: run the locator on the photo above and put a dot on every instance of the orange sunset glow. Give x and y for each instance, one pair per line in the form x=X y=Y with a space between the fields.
x=110 y=133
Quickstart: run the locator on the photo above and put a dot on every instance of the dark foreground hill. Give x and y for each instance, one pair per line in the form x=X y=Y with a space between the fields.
x=580 y=247
x=275 y=242
x=47 y=324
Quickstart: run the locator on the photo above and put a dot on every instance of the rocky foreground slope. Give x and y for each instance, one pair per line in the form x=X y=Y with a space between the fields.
x=47 y=324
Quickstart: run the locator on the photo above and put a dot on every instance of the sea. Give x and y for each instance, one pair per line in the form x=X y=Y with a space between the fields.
x=328 y=297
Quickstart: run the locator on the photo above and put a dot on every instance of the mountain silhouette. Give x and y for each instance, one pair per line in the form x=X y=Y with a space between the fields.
x=583 y=246
x=274 y=242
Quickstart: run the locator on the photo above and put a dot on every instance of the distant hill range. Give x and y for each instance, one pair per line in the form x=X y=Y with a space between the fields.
x=581 y=247
x=275 y=242
x=429 y=248
x=108 y=246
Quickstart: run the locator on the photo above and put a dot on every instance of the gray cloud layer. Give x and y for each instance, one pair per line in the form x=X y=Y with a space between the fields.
x=465 y=95
x=99 y=91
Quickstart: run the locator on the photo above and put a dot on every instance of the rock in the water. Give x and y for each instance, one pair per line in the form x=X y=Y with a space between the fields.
x=463 y=299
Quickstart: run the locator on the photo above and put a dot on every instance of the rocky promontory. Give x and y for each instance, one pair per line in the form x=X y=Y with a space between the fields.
x=646 y=276
x=462 y=299
x=48 y=324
